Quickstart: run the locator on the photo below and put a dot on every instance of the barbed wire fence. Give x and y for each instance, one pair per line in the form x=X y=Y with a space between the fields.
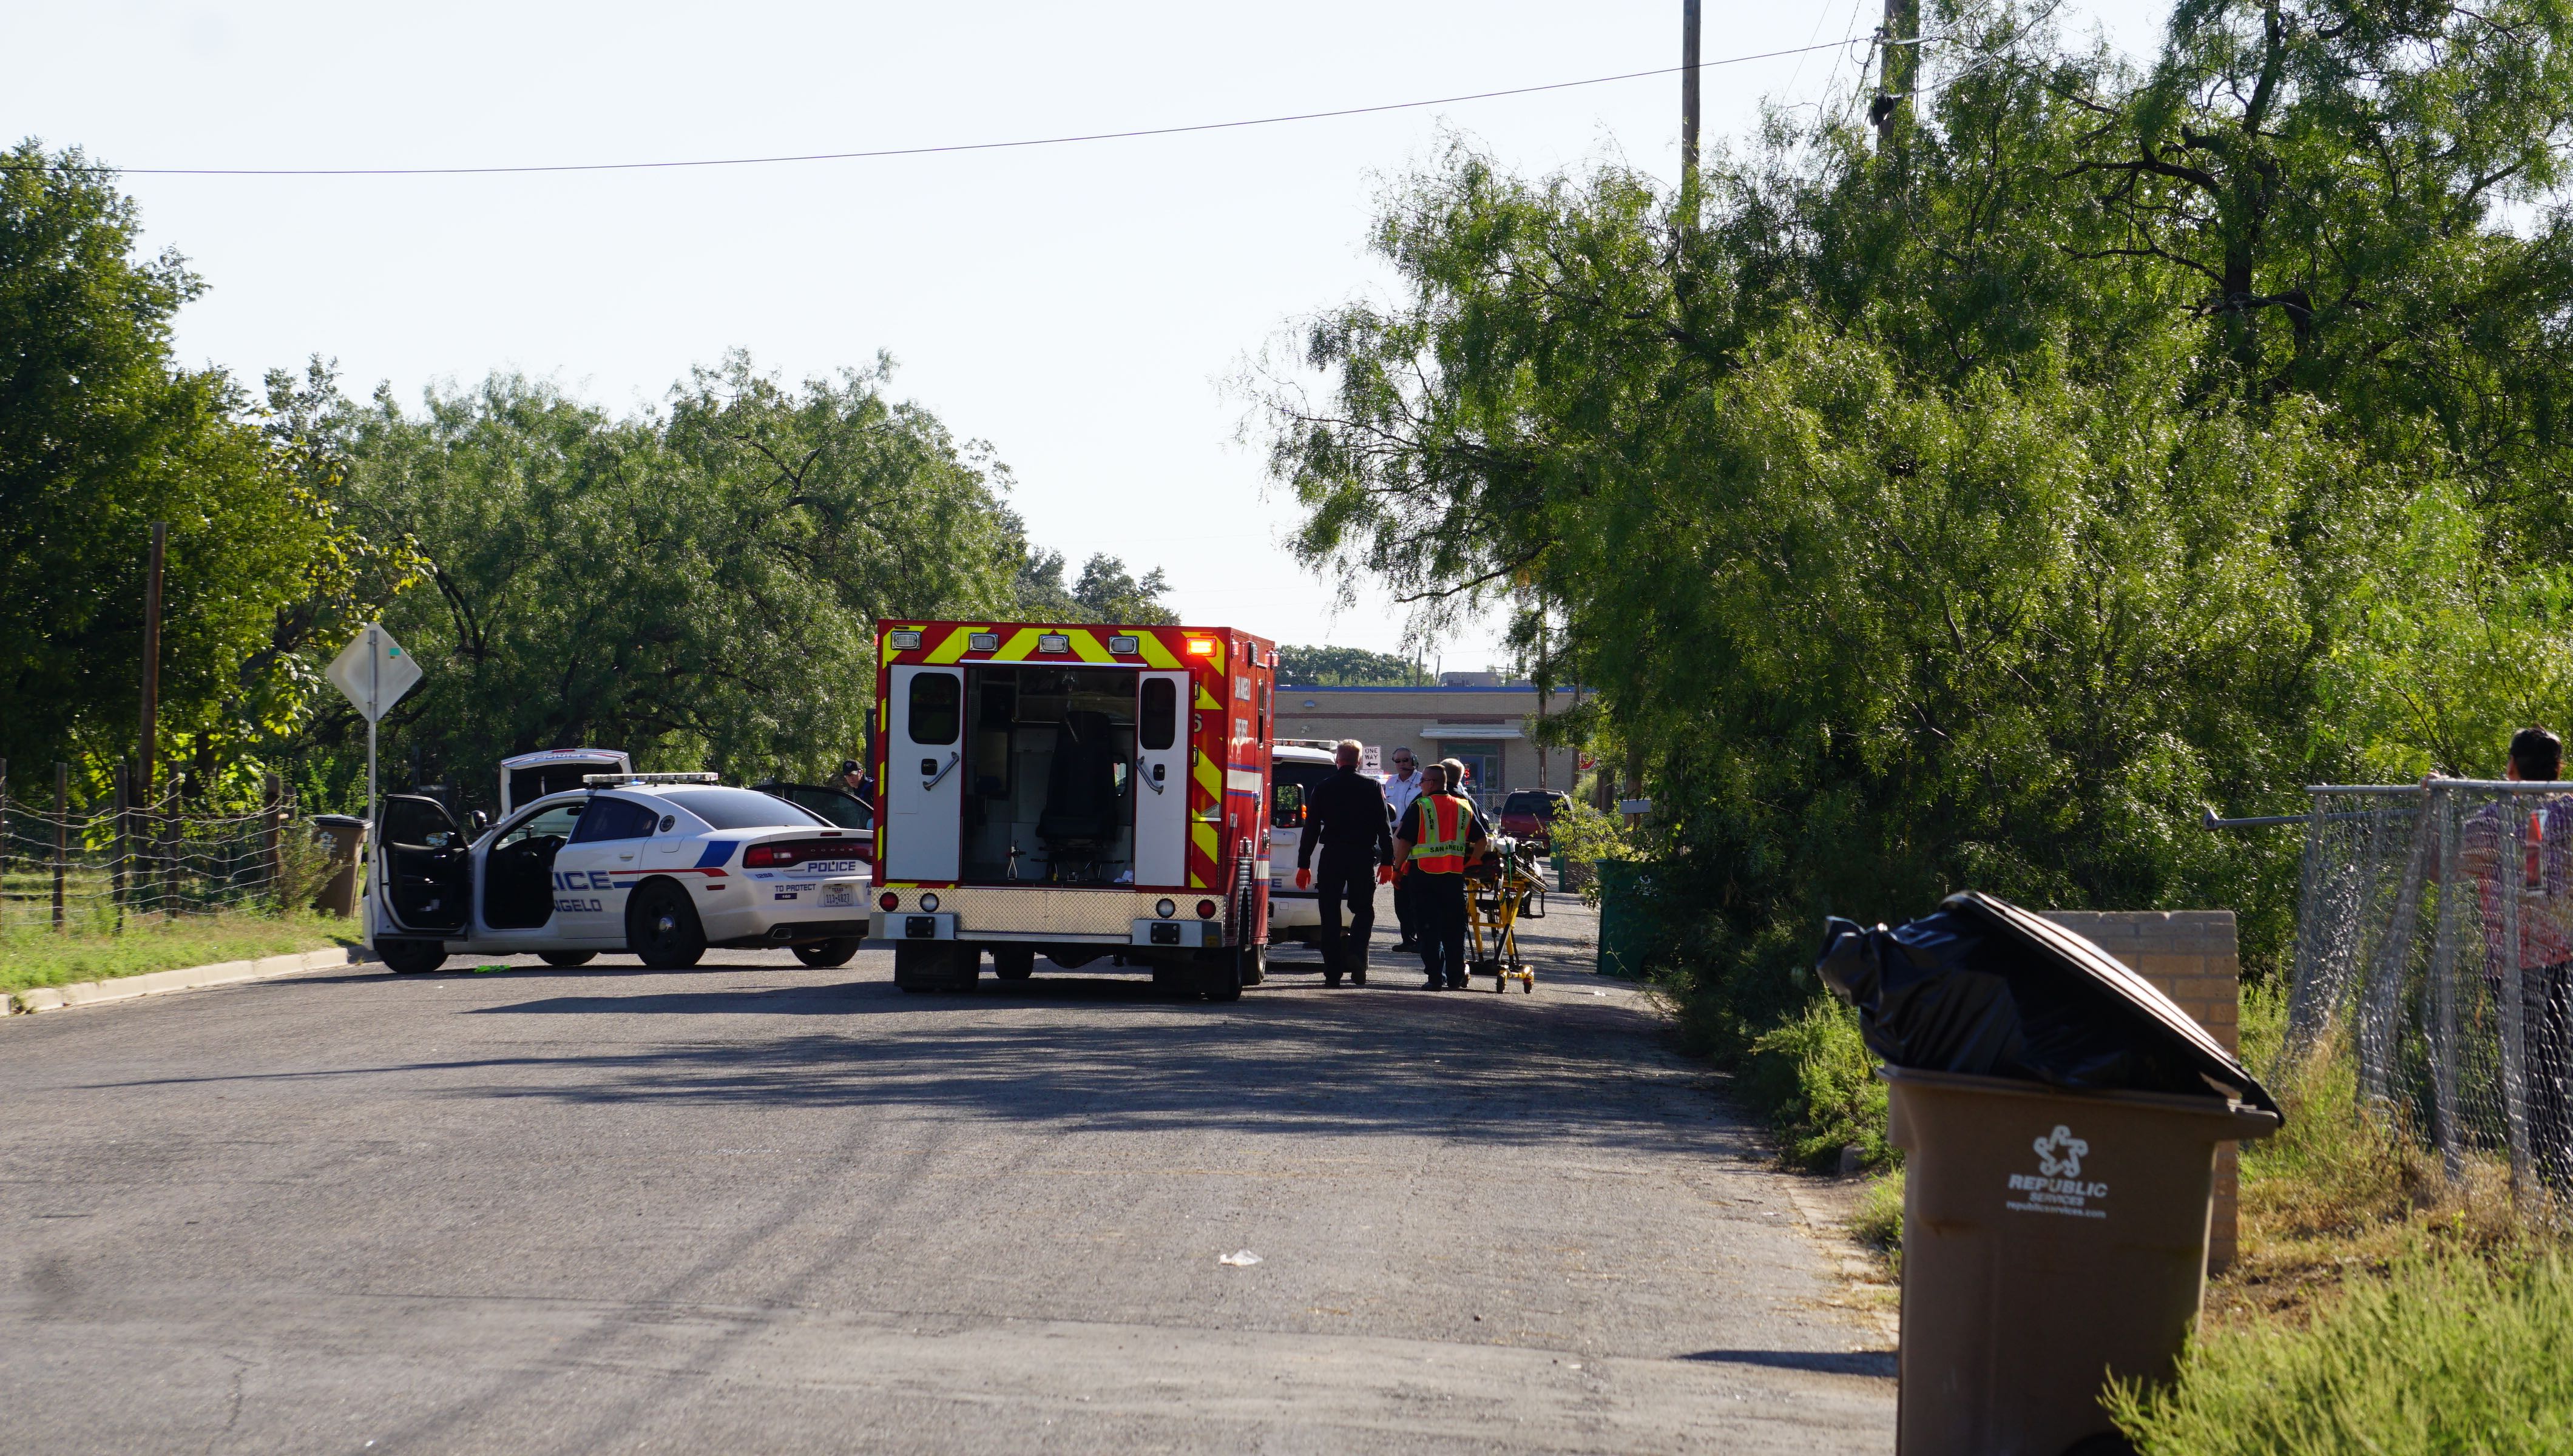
x=2434 y=951
x=99 y=862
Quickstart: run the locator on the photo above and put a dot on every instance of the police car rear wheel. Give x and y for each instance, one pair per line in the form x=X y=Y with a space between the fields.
x=828 y=953
x=566 y=959
x=661 y=928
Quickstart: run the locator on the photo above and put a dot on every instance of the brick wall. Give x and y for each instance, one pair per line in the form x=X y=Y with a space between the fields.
x=2190 y=954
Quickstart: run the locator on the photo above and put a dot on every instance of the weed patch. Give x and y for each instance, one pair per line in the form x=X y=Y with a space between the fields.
x=33 y=956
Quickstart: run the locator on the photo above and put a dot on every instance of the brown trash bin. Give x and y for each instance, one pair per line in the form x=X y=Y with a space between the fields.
x=347 y=834
x=2051 y=1239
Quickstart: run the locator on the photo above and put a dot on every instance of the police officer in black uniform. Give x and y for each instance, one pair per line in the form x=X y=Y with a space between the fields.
x=1346 y=815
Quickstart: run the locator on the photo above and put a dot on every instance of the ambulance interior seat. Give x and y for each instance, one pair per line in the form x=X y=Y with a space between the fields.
x=1084 y=809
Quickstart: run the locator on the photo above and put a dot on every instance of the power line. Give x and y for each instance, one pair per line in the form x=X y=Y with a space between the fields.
x=1264 y=121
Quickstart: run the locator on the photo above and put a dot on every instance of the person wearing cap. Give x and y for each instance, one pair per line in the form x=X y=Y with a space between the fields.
x=1344 y=815
x=1437 y=838
x=1401 y=787
x=855 y=779
x=2519 y=851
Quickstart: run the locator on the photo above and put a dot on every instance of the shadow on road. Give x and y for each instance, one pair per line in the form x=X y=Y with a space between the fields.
x=1879 y=1365
x=1465 y=1065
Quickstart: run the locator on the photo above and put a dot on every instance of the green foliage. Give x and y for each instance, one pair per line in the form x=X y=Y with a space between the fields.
x=101 y=433
x=1106 y=593
x=1974 y=511
x=698 y=588
x=1818 y=1081
x=2445 y=1355
x=1319 y=666
x=1877 y=1219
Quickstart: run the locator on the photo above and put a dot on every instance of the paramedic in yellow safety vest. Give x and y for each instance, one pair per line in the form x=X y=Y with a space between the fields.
x=1437 y=838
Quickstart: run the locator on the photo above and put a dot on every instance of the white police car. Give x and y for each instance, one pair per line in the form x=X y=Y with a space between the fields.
x=659 y=865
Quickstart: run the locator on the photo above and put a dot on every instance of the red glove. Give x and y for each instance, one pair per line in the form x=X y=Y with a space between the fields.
x=1384 y=873
x=1303 y=878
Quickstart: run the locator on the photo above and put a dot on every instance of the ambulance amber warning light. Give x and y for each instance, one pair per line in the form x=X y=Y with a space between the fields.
x=1200 y=647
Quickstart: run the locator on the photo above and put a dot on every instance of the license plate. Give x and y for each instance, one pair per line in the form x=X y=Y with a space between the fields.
x=839 y=894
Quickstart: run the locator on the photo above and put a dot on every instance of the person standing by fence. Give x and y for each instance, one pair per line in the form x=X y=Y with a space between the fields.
x=2519 y=852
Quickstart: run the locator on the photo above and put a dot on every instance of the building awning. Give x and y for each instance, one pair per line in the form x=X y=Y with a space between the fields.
x=1461 y=732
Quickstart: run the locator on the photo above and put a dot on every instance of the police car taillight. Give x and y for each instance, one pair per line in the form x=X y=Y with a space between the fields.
x=796 y=852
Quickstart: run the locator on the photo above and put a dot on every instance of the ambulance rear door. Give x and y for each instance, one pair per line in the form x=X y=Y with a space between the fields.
x=1161 y=791
x=921 y=837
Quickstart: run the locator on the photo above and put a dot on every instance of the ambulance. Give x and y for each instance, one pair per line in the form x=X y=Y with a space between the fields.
x=1096 y=795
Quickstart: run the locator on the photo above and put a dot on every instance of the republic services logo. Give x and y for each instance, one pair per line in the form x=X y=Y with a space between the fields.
x=2059 y=1153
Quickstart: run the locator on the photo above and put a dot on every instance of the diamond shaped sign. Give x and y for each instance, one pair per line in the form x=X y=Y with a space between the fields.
x=374 y=671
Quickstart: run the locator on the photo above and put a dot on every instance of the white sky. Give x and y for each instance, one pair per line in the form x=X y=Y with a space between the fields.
x=1080 y=307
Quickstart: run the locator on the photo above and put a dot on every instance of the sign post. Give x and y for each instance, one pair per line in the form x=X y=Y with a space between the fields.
x=374 y=671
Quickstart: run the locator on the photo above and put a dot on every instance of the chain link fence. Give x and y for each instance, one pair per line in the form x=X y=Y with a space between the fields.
x=2434 y=950
x=92 y=865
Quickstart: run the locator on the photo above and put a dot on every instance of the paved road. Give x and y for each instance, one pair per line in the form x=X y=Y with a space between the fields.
x=757 y=1207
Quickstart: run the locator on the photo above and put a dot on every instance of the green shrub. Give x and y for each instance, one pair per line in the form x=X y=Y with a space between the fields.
x=1877 y=1223
x=2445 y=1355
x=1817 y=1082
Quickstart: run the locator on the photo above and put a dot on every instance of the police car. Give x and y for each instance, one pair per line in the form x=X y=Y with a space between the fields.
x=660 y=866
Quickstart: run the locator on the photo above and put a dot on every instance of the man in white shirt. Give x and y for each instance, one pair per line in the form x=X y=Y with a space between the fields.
x=1401 y=789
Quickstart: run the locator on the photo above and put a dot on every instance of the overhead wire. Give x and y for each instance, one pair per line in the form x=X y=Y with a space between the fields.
x=884 y=151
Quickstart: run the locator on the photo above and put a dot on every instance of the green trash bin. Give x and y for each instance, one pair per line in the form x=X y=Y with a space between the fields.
x=1623 y=888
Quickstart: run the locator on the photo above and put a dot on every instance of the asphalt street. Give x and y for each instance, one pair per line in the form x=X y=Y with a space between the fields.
x=759 y=1208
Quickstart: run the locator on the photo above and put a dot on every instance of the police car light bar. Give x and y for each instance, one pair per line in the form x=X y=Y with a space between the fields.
x=594 y=780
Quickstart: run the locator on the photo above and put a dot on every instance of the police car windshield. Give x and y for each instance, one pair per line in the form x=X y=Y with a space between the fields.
x=741 y=809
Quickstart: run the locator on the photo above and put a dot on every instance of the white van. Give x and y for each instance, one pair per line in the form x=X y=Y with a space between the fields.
x=1296 y=768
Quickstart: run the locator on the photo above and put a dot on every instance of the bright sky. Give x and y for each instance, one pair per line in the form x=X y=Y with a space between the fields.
x=1080 y=307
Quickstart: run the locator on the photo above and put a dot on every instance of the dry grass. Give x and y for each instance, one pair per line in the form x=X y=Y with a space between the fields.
x=2340 y=1192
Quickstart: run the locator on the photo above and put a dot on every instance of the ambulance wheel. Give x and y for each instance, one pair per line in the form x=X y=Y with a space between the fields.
x=411 y=957
x=661 y=927
x=1014 y=963
x=566 y=959
x=819 y=954
x=1221 y=974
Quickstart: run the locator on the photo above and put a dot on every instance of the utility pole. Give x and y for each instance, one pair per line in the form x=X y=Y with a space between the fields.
x=1688 y=91
x=152 y=658
x=1897 y=70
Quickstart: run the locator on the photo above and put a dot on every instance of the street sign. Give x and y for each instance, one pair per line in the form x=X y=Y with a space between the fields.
x=375 y=671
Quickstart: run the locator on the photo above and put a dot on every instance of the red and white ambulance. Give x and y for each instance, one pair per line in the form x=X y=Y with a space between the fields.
x=1090 y=794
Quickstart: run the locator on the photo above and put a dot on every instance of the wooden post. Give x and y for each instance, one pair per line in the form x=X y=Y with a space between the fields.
x=272 y=830
x=124 y=839
x=62 y=836
x=166 y=836
x=1897 y=70
x=1689 y=92
x=152 y=661
x=4 y=818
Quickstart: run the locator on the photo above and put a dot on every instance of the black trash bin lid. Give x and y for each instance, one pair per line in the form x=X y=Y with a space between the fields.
x=2074 y=956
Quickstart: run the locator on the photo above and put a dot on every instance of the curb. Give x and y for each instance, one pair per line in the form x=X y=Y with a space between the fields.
x=192 y=978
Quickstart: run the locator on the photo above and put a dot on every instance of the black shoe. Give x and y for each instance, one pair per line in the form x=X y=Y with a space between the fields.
x=1433 y=984
x=1406 y=947
x=1331 y=977
x=1456 y=985
x=1358 y=977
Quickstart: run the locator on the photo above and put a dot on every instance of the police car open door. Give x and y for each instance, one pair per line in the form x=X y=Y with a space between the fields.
x=427 y=866
x=924 y=791
x=1161 y=791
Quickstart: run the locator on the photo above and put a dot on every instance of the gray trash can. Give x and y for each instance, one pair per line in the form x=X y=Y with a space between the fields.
x=347 y=837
